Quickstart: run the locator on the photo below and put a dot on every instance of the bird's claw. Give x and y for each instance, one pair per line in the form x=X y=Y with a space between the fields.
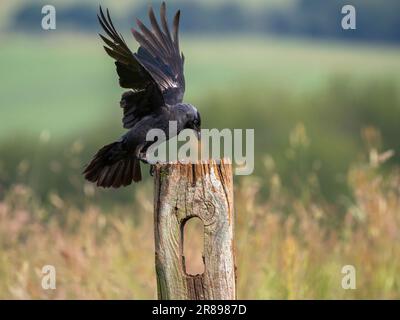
x=142 y=157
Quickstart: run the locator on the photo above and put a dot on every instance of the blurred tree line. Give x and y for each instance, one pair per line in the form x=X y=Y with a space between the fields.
x=376 y=20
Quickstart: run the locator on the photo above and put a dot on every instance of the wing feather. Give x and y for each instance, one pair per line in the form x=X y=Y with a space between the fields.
x=176 y=30
x=164 y=23
x=159 y=52
x=146 y=96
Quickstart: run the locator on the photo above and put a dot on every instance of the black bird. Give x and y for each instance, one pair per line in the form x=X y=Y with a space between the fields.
x=154 y=75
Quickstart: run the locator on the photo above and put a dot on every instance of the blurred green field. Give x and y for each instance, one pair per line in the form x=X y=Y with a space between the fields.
x=70 y=82
x=60 y=91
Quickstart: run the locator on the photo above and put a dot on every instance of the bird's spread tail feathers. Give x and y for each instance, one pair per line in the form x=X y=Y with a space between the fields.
x=112 y=167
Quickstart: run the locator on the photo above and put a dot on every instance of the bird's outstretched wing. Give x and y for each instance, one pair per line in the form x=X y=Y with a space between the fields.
x=160 y=54
x=146 y=96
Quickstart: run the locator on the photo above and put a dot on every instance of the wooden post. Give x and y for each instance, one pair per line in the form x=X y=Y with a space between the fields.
x=184 y=191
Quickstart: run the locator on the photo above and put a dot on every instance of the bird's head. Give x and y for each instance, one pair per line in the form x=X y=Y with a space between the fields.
x=190 y=118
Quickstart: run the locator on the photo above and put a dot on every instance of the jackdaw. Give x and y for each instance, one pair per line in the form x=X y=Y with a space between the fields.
x=154 y=75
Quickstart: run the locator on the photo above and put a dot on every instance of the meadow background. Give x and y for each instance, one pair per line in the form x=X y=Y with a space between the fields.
x=325 y=106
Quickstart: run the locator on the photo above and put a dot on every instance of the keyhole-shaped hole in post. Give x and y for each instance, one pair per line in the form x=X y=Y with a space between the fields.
x=193 y=246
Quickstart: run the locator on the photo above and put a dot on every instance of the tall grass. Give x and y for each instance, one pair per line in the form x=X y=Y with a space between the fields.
x=286 y=245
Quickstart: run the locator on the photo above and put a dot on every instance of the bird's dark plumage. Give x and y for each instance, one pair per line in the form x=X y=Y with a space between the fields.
x=154 y=75
x=111 y=167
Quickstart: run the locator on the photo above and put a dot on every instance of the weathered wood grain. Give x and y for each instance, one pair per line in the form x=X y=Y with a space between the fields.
x=183 y=191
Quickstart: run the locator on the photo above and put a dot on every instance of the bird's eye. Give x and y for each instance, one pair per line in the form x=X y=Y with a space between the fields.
x=196 y=122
